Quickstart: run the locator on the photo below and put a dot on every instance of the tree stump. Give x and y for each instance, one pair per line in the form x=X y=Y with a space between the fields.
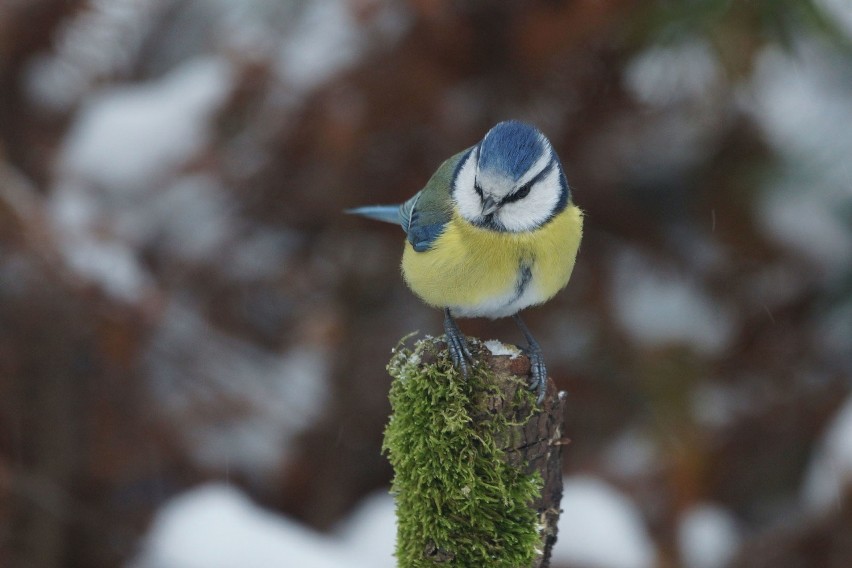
x=477 y=464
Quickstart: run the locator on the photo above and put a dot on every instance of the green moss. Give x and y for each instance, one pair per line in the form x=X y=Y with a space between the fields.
x=458 y=502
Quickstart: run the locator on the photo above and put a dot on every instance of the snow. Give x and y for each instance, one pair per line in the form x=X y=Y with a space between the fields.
x=600 y=528
x=285 y=392
x=110 y=264
x=192 y=218
x=830 y=470
x=72 y=209
x=839 y=12
x=657 y=305
x=808 y=223
x=101 y=41
x=369 y=532
x=708 y=536
x=216 y=526
x=88 y=251
x=631 y=454
x=128 y=137
x=498 y=348
x=666 y=74
x=324 y=42
x=802 y=100
x=101 y=232
x=124 y=142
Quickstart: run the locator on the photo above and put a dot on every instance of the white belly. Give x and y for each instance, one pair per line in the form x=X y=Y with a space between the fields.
x=524 y=294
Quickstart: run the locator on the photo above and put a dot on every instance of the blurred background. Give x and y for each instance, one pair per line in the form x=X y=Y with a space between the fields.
x=193 y=336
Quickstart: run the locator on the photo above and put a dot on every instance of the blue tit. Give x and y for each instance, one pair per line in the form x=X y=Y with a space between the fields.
x=494 y=231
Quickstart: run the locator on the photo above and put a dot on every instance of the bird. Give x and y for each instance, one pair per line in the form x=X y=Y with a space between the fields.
x=493 y=231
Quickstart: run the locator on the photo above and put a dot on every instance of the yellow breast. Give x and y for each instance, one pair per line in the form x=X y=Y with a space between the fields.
x=480 y=272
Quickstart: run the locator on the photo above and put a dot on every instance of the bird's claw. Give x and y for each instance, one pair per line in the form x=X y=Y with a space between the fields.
x=538 y=374
x=457 y=346
x=459 y=353
x=463 y=360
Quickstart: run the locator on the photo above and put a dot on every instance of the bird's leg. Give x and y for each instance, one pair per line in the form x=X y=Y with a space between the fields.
x=456 y=343
x=537 y=368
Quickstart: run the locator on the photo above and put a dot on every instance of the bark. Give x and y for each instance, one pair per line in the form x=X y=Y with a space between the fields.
x=486 y=435
x=535 y=442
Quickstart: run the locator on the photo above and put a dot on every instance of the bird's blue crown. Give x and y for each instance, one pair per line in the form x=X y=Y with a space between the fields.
x=511 y=148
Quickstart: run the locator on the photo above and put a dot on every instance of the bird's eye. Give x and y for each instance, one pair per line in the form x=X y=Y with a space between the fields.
x=477 y=188
x=520 y=194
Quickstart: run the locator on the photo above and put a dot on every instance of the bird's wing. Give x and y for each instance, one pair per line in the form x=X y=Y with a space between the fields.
x=425 y=215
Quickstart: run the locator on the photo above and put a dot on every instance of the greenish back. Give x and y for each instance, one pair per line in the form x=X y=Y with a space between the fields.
x=425 y=215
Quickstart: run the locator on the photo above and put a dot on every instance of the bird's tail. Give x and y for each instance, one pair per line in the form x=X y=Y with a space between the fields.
x=386 y=213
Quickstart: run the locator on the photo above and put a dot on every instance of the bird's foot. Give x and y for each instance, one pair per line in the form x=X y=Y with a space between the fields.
x=457 y=345
x=538 y=373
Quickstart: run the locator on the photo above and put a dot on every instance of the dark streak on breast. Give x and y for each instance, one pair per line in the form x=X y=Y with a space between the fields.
x=524 y=277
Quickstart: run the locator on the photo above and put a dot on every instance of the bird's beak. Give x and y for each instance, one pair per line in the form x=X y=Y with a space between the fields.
x=489 y=206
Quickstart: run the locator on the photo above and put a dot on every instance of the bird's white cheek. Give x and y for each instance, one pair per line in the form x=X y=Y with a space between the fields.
x=467 y=200
x=533 y=210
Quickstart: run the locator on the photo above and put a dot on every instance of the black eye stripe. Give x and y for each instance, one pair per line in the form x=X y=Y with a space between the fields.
x=525 y=189
x=520 y=194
